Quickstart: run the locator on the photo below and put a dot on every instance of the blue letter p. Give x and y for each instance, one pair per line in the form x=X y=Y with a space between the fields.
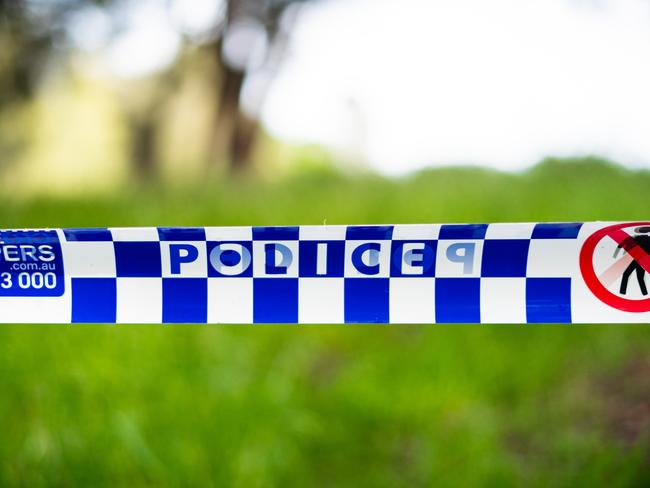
x=181 y=253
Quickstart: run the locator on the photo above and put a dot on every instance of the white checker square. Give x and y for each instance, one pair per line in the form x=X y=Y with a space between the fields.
x=550 y=258
x=503 y=300
x=229 y=233
x=321 y=300
x=459 y=258
x=369 y=257
x=134 y=233
x=282 y=257
x=416 y=231
x=89 y=259
x=34 y=310
x=412 y=300
x=510 y=231
x=181 y=256
x=139 y=300
x=322 y=232
x=230 y=300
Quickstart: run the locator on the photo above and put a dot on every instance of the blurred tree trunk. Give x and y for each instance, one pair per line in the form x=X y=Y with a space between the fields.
x=243 y=143
x=145 y=105
x=144 y=145
x=234 y=132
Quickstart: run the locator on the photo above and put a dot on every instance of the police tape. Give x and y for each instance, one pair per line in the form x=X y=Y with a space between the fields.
x=450 y=273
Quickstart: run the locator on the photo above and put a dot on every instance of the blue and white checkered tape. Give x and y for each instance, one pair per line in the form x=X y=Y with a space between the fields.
x=449 y=273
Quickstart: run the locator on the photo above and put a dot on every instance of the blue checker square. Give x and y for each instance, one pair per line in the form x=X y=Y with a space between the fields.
x=276 y=233
x=503 y=258
x=185 y=300
x=548 y=300
x=418 y=257
x=88 y=235
x=556 y=231
x=137 y=259
x=181 y=233
x=369 y=232
x=367 y=300
x=334 y=262
x=94 y=300
x=275 y=300
x=458 y=300
x=230 y=254
x=463 y=231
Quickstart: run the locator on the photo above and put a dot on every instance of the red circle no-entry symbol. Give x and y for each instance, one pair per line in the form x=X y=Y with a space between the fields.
x=634 y=263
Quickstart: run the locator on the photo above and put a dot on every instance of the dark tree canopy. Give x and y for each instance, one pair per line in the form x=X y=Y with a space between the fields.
x=31 y=33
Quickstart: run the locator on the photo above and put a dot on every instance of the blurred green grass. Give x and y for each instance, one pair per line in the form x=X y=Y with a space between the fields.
x=332 y=405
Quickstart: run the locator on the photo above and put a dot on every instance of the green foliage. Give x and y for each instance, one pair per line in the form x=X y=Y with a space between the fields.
x=331 y=405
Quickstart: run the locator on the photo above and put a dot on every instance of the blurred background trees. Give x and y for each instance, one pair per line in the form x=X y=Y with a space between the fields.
x=94 y=93
x=243 y=47
x=31 y=34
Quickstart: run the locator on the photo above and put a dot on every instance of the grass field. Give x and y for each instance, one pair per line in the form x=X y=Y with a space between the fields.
x=333 y=405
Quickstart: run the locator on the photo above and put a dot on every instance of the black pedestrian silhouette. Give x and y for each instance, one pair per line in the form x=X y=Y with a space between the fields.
x=641 y=239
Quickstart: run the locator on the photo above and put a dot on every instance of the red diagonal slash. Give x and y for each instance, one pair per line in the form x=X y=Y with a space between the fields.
x=614 y=272
x=625 y=241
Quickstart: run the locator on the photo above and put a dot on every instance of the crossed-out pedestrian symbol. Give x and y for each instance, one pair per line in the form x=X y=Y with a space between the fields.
x=631 y=258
